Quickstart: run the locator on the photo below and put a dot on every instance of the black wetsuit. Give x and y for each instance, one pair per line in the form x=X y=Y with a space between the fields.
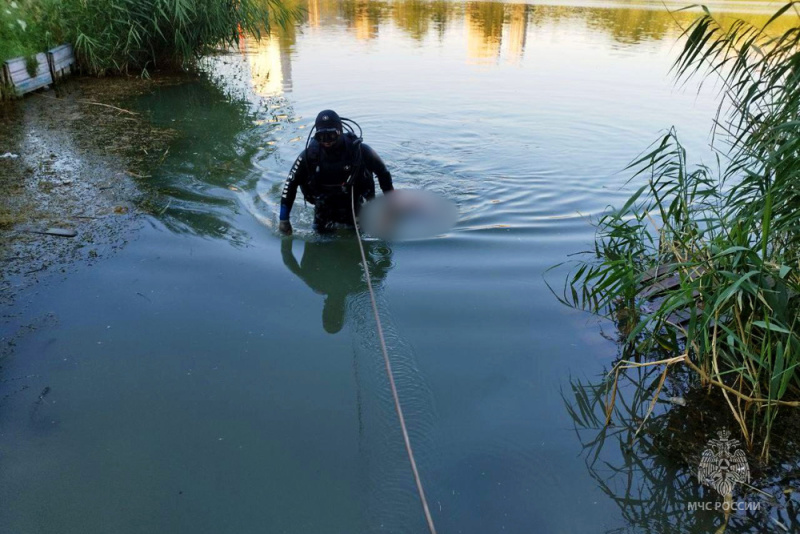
x=321 y=174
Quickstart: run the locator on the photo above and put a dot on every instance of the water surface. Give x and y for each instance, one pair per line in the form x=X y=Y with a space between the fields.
x=213 y=377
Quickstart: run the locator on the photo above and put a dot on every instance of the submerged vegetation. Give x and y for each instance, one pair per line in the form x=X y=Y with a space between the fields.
x=134 y=36
x=728 y=237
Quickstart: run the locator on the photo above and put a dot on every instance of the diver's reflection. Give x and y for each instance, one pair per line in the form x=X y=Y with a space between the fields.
x=332 y=267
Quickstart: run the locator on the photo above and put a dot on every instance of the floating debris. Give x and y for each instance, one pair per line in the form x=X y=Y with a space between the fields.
x=59 y=232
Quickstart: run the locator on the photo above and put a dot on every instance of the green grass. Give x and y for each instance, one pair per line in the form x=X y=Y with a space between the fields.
x=731 y=232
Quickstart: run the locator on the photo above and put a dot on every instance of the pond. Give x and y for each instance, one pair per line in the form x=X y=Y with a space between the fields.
x=213 y=377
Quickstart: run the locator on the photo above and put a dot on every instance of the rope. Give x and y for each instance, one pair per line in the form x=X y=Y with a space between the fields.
x=389 y=373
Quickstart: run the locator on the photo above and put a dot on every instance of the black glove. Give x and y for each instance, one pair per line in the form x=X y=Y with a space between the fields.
x=285 y=227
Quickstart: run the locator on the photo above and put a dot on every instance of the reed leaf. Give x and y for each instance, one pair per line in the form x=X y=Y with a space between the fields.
x=732 y=235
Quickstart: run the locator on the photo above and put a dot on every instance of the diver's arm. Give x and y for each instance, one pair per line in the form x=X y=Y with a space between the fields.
x=298 y=175
x=375 y=165
x=288 y=257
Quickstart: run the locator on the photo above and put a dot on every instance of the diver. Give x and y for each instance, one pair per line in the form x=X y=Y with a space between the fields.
x=333 y=268
x=334 y=165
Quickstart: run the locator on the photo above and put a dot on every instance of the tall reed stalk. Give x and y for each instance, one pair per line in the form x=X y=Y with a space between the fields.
x=731 y=234
x=136 y=36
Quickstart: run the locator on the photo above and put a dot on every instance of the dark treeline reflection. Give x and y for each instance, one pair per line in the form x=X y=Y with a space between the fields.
x=492 y=25
x=197 y=183
x=189 y=188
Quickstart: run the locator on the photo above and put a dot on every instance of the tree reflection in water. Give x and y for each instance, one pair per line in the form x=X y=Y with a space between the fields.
x=491 y=25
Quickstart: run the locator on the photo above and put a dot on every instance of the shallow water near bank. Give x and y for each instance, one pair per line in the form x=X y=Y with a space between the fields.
x=213 y=377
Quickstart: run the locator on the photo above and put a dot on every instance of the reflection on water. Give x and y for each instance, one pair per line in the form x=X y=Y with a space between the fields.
x=332 y=267
x=484 y=22
x=231 y=133
x=644 y=470
x=522 y=115
x=362 y=18
x=517 y=30
x=235 y=131
x=203 y=176
x=492 y=29
x=270 y=64
x=232 y=138
x=197 y=170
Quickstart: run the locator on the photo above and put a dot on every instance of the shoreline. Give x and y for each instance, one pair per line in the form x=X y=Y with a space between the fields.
x=71 y=162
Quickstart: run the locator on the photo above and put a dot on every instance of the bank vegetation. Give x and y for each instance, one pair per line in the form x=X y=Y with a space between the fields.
x=727 y=235
x=134 y=36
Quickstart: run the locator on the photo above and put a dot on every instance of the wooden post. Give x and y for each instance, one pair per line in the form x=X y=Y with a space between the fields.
x=61 y=60
x=5 y=86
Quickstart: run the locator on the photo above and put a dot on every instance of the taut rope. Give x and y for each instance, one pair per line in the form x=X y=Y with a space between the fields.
x=389 y=373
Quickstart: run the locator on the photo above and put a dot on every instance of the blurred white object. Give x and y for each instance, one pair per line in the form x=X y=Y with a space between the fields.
x=407 y=214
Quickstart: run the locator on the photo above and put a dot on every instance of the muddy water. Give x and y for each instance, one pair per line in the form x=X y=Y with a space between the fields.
x=213 y=377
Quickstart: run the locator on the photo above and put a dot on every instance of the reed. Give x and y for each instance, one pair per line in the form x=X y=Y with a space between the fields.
x=732 y=233
x=136 y=36
x=124 y=36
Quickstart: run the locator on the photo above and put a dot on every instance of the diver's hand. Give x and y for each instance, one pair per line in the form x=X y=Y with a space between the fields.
x=285 y=227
